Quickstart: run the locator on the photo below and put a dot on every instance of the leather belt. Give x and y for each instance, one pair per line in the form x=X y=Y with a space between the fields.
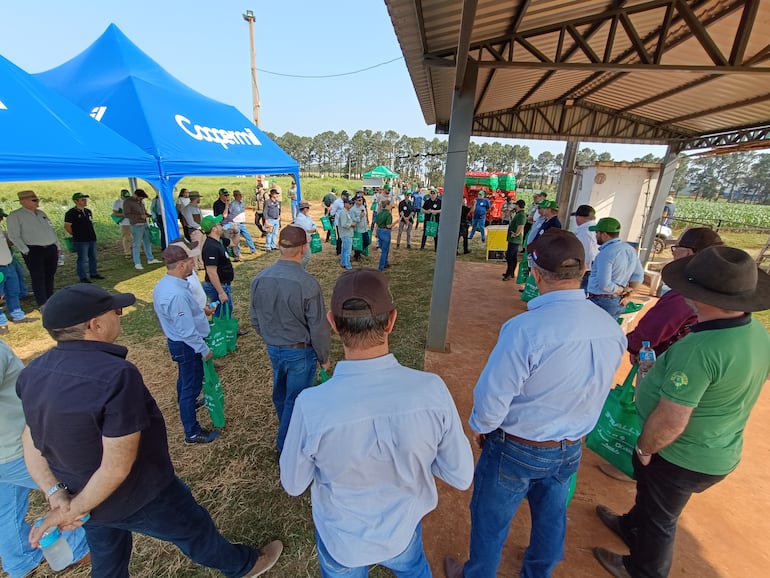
x=546 y=444
x=293 y=346
x=602 y=295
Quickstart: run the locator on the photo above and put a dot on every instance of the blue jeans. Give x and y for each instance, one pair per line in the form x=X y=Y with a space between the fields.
x=506 y=473
x=211 y=293
x=11 y=290
x=293 y=371
x=347 y=247
x=20 y=273
x=141 y=236
x=272 y=236
x=383 y=236
x=174 y=516
x=246 y=235
x=410 y=563
x=189 y=384
x=18 y=557
x=610 y=304
x=477 y=224
x=294 y=209
x=86 y=250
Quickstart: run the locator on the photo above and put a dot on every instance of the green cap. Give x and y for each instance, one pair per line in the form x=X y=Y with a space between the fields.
x=387 y=186
x=209 y=222
x=606 y=225
x=549 y=205
x=125 y=193
x=77 y=196
x=224 y=191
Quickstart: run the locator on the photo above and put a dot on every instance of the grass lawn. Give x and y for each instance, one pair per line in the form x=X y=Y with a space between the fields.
x=236 y=478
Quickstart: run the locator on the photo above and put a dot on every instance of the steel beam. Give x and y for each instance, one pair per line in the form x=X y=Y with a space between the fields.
x=655 y=210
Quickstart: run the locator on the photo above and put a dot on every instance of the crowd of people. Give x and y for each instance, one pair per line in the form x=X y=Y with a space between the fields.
x=80 y=424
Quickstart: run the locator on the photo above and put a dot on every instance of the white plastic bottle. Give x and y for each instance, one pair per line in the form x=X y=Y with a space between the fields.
x=646 y=359
x=61 y=259
x=55 y=548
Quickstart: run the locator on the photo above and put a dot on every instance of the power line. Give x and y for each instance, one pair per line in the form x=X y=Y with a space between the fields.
x=330 y=75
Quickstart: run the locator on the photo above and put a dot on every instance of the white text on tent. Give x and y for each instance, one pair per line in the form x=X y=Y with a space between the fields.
x=217 y=135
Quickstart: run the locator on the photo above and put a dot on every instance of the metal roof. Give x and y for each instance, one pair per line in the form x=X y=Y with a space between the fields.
x=689 y=73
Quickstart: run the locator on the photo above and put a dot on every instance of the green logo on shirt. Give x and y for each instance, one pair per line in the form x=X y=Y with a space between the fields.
x=679 y=380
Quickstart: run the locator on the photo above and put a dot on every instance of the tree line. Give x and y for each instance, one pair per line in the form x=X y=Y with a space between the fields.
x=741 y=176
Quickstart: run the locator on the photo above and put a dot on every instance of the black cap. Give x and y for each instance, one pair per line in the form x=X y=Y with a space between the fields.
x=554 y=247
x=79 y=303
x=584 y=211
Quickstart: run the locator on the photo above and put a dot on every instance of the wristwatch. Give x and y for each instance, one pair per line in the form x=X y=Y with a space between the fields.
x=55 y=489
x=640 y=452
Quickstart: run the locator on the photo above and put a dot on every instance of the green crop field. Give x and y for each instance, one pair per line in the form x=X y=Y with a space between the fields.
x=733 y=215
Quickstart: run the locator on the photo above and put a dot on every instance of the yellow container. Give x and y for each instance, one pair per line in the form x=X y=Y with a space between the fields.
x=497 y=241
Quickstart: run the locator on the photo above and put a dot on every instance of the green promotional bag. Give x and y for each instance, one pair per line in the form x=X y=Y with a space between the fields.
x=619 y=426
x=69 y=244
x=521 y=276
x=420 y=217
x=230 y=325
x=333 y=236
x=117 y=220
x=530 y=290
x=323 y=376
x=365 y=252
x=217 y=339
x=358 y=242
x=316 y=246
x=326 y=223
x=374 y=207
x=154 y=233
x=213 y=394
x=431 y=229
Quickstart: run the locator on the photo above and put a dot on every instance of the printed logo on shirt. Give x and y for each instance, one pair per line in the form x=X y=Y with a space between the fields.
x=679 y=379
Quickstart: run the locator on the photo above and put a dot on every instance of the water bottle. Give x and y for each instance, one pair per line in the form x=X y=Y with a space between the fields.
x=55 y=548
x=646 y=359
x=61 y=259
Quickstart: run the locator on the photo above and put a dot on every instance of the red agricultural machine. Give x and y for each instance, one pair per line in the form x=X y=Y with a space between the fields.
x=497 y=188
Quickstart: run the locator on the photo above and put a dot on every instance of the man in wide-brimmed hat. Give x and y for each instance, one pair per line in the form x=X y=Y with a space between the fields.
x=694 y=404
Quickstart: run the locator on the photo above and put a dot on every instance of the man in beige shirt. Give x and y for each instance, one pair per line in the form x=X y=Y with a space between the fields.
x=32 y=232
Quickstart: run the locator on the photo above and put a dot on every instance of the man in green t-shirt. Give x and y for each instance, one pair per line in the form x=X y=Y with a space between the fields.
x=694 y=404
x=515 y=238
x=384 y=222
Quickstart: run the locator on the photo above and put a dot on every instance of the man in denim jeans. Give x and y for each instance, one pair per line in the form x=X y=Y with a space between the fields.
x=542 y=389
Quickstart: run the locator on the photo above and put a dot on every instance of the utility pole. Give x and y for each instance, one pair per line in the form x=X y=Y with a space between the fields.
x=248 y=16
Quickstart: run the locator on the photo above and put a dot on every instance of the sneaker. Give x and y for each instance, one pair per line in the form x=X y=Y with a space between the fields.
x=97 y=276
x=203 y=437
x=268 y=556
x=154 y=262
x=22 y=320
x=4 y=330
x=138 y=266
x=242 y=331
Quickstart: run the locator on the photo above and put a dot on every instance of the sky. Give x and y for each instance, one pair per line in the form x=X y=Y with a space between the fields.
x=205 y=44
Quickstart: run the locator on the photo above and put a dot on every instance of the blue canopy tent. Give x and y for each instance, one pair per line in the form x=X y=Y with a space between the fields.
x=188 y=133
x=46 y=137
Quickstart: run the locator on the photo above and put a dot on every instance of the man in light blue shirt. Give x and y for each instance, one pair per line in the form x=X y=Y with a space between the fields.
x=370 y=440
x=616 y=270
x=186 y=327
x=541 y=391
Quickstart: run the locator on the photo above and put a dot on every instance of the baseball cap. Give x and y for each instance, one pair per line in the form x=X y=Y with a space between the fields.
x=77 y=196
x=553 y=205
x=209 y=222
x=698 y=238
x=584 y=211
x=125 y=193
x=334 y=189
x=193 y=195
x=224 y=191
x=80 y=303
x=304 y=205
x=368 y=285
x=555 y=246
x=140 y=193
x=386 y=186
x=292 y=236
x=606 y=225
x=179 y=251
x=347 y=201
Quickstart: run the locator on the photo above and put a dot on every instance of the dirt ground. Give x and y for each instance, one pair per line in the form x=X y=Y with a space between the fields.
x=721 y=533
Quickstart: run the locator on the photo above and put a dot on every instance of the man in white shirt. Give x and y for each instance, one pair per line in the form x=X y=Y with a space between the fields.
x=238 y=215
x=192 y=216
x=399 y=428
x=585 y=216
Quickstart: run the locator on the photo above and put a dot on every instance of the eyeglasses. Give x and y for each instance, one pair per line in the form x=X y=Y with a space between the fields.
x=35 y=200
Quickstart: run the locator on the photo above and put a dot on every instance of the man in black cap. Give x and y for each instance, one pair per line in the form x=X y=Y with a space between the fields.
x=79 y=222
x=528 y=419
x=97 y=439
x=585 y=217
x=694 y=404
x=288 y=312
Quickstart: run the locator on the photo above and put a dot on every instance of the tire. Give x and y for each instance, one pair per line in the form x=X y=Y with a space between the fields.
x=658 y=245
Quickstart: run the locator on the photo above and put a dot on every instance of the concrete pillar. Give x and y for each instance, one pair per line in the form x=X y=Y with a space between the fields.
x=655 y=210
x=460 y=126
